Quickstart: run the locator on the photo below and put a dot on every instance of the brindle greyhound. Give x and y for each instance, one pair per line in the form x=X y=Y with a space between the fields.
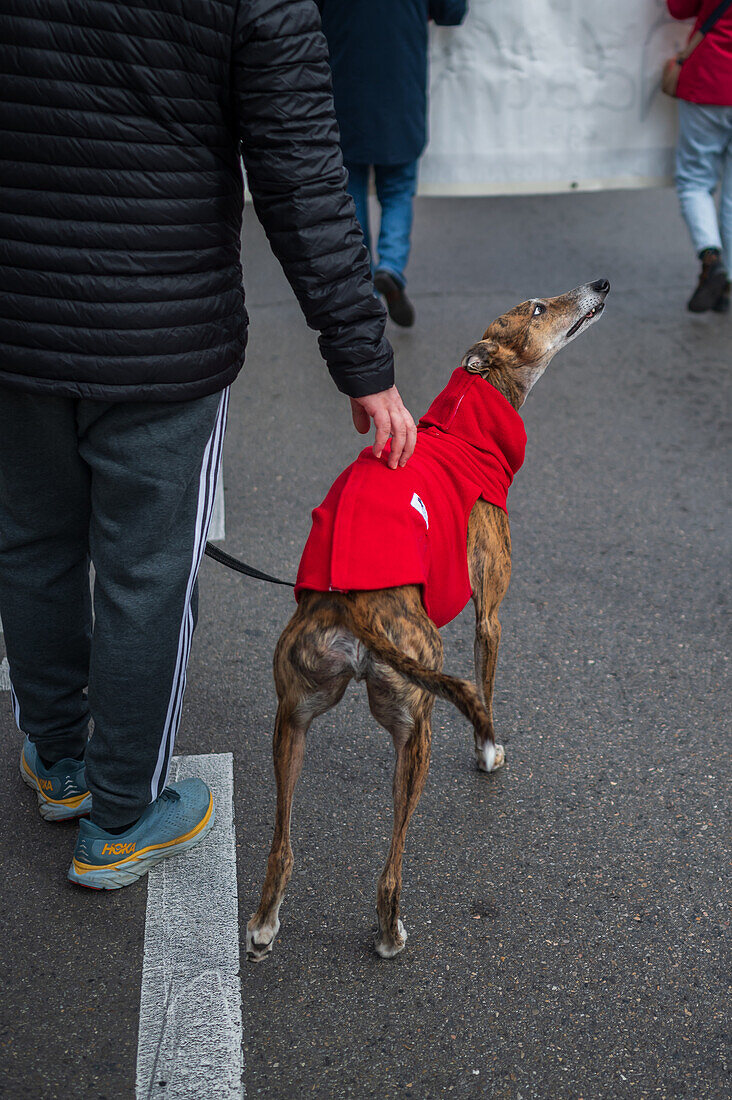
x=386 y=638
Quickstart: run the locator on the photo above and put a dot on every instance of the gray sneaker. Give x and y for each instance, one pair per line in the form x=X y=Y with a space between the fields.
x=176 y=821
x=62 y=791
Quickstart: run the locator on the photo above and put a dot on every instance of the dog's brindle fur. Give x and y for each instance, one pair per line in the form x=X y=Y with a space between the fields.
x=386 y=638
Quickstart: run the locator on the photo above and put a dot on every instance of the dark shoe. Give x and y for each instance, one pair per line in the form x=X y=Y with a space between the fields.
x=400 y=308
x=722 y=303
x=713 y=279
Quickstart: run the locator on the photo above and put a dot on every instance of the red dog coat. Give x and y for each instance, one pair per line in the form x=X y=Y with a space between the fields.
x=379 y=528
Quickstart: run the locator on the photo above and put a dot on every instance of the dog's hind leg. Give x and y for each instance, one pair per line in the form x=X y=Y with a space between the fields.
x=289 y=750
x=405 y=711
x=412 y=735
x=310 y=678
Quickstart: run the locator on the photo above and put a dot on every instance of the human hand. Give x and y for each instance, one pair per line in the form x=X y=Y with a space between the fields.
x=390 y=418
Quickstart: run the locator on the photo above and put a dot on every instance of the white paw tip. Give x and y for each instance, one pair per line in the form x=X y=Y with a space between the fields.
x=389 y=950
x=490 y=757
x=257 y=950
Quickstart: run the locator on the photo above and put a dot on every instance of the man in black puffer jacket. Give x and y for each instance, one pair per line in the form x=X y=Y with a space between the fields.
x=122 y=326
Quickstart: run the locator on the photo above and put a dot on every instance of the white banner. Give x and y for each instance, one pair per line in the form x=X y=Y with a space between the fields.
x=548 y=95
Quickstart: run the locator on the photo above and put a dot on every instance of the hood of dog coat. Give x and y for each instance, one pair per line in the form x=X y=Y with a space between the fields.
x=381 y=528
x=472 y=411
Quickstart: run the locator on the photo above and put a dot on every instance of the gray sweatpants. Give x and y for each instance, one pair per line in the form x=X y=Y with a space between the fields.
x=129 y=487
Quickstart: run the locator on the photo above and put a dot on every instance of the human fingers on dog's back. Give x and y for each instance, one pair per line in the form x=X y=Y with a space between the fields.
x=390 y=418
x=382 y=424
x=404 y=437
x=398 y=442
x=403 y=431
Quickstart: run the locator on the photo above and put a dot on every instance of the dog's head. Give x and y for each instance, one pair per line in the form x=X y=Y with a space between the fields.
x=517 y=348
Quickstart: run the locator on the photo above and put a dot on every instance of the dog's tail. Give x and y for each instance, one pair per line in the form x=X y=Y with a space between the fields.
x=461 y=693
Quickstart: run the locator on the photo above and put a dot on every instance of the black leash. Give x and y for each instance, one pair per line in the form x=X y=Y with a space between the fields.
x=715 y=16
x=239 y=567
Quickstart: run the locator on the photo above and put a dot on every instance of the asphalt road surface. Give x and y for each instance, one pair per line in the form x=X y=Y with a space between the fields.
x=568 y=917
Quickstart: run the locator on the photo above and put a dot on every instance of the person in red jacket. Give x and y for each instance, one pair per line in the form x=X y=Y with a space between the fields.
x=704 y=151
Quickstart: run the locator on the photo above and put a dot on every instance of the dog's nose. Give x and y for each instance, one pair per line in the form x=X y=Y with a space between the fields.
x=600 y=285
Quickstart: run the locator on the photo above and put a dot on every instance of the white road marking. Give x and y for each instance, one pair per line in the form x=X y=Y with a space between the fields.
x=189 y=1045
x=4 y=675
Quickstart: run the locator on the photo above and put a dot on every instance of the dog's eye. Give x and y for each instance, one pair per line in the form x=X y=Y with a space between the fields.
x=539 y=308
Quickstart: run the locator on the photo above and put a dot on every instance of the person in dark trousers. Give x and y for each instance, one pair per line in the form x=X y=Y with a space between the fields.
x=378 y=54
x=122 y=326
x=704 y=151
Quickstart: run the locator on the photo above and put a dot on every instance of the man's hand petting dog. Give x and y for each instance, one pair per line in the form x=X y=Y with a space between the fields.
x=391 y=419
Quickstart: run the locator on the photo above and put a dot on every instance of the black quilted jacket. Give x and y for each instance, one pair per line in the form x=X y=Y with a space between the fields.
x=121 y=129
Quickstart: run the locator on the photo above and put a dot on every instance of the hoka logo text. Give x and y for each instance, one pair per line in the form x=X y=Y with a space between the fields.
x=118 y=849
x=46 y=784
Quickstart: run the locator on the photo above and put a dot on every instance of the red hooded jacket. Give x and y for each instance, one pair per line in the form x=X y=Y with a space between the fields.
x=380 y=528
x=706 y=76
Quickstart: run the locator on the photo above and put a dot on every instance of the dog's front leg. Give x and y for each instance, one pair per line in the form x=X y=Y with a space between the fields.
x=410 y=774
x=489 y=565
x=488 y=754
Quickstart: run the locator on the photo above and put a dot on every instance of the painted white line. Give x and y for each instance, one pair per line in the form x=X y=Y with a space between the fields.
x=189 y=1045
x=4 y=675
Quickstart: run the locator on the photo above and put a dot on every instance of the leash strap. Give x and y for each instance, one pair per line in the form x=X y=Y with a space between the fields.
x=698 y=37
x=239 y=567
x=715 y=15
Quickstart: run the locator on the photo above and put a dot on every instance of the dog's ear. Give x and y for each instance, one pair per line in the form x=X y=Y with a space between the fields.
x=487 y=355
x=479 y=357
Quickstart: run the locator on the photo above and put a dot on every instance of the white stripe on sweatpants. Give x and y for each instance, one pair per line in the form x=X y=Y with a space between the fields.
x=212 y=480
x=206 y=487
x=16 y=704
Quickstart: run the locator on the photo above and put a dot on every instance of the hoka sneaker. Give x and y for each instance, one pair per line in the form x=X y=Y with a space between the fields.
x=62 y=790
x=176 y=821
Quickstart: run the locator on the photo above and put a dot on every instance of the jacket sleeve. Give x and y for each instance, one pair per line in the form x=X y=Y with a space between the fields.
x=448 y=13
x=289 y=144
x=684 y=9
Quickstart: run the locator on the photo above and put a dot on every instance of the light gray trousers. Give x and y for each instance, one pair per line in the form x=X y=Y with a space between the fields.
x=129 y=487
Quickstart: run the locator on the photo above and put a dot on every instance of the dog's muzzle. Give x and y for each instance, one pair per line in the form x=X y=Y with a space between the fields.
x=597 y=294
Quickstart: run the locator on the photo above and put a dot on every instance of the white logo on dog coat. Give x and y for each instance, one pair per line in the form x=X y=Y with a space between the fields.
x=418 y=504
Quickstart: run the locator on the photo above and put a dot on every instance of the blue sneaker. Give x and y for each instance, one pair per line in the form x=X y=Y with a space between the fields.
x=62 y=790
x=179 y=819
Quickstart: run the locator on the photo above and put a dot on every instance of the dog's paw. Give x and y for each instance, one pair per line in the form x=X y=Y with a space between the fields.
x=490 y=757
x=260 y=940
x=388 y=948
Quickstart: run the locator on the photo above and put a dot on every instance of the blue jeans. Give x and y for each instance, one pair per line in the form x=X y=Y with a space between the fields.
x=703 y=163
x=395 y=188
